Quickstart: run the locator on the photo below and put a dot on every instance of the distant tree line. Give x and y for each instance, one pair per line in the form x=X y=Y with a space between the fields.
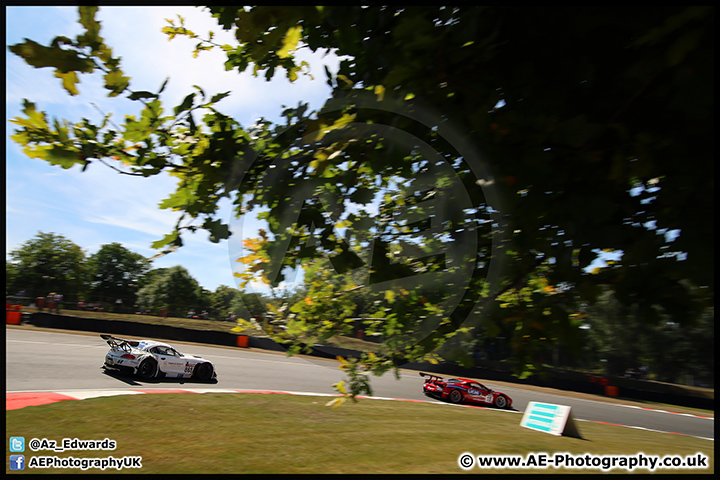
x=116 y=280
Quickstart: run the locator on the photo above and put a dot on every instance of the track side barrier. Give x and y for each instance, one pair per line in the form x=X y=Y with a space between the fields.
x=13 y=314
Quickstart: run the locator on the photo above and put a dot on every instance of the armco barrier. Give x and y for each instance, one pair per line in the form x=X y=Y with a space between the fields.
x=265 y=343
x=571 y=381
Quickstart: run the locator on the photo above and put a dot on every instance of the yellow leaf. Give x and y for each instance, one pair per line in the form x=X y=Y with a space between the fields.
x=292 y=76
x=271 y=307
x=335 y=403
x=253 y=244
x=308 y=301
x=320 y=156
x=433 y=358
x=346 y=80
x=292 y=37
x=249 y=258
x=380 y=92
x=69 y=80
x=340 y=123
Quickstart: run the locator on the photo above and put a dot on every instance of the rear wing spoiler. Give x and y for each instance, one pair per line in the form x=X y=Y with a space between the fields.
x=430 y=376
x=119 y=343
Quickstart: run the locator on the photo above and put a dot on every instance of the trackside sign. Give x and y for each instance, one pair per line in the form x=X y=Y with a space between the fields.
x=549 y=418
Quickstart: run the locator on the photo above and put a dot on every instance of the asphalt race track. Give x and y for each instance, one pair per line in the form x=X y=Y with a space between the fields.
x=48 y=361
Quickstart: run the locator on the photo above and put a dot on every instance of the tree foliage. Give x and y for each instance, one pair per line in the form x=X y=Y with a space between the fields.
x=221 y=301
x=116 y=273
x=48 y=262
x=620 y=340
x=51 y=262
x=470 y=163
x=172 y=289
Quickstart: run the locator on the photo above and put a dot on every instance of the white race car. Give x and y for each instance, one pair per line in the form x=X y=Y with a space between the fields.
x=149 y=359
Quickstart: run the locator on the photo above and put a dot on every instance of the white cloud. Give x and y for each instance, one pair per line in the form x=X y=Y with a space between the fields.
x=151 y=58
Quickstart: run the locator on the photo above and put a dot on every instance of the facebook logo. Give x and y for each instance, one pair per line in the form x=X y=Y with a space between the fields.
x=17 y=462
x=17 y=444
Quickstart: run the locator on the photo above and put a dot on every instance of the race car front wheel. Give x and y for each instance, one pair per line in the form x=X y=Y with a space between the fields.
x=501 y=402
x=147 y=369
x=203 y=371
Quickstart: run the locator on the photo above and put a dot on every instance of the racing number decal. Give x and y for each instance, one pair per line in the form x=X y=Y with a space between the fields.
x=188 y=368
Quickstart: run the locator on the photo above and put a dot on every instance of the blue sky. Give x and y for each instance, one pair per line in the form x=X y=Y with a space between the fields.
x=99 y=206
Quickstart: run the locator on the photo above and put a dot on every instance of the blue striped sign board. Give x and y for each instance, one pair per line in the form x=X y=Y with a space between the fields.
x=549 y=418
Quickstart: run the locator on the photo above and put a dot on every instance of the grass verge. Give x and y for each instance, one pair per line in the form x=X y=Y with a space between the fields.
x=256 y=433
x=196 y=323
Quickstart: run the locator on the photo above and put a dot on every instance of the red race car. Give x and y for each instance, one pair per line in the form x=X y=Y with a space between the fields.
x=463 y=390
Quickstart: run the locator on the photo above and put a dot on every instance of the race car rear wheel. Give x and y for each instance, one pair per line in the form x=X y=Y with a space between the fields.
x=456 y=396
x=501 y=401
x=203 y=371
x=147 y=369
